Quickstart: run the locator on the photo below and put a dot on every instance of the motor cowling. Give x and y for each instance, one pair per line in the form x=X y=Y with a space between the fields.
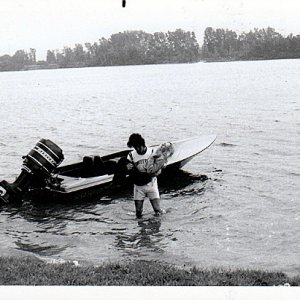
x=40 y=162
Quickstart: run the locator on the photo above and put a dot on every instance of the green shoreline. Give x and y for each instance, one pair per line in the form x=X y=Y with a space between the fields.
x=32 y=271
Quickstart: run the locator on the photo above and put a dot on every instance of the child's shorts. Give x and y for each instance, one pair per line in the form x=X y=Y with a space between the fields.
x=149 y=190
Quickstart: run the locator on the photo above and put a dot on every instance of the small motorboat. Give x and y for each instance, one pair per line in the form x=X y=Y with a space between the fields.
x=42 y=178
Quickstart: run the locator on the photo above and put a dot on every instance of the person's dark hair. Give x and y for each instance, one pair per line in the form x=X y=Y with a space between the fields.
x=135 y=139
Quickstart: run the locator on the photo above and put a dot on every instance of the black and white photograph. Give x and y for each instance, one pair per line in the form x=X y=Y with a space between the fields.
x=149 y=149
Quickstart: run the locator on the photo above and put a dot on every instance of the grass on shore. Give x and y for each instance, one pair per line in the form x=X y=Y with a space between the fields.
x=31 y=271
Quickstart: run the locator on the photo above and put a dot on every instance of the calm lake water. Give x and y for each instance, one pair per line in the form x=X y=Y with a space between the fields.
x=246 y=215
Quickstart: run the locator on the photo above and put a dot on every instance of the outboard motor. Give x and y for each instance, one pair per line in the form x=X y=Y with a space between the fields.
x=39 y=163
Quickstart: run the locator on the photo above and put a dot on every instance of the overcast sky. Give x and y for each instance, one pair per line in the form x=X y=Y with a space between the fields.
x=53 y=24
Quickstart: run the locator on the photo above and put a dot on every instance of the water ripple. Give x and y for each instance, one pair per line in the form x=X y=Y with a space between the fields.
x=41 y=248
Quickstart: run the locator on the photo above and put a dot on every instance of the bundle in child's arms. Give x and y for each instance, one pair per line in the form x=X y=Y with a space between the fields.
x=159 y=158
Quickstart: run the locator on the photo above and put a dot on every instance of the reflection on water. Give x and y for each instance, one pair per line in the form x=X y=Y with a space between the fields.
x=173 y=180
x=148 y=236
x=40 y=249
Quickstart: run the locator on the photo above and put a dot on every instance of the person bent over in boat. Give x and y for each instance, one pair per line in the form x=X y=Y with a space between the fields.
x=144 y=165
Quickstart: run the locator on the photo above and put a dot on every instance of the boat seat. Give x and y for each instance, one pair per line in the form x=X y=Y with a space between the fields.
x=99 y=165
x=93 y=166
x=110 y=166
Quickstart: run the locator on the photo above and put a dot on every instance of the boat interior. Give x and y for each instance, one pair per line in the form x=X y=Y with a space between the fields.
x=92 y=165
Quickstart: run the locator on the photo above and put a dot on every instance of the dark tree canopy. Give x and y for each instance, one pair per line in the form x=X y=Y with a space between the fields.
x=220 y=44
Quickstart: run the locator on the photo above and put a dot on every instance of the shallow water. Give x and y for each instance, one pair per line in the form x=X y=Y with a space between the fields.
x=245 y=215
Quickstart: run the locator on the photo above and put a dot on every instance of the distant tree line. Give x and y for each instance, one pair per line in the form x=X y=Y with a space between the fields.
x=179 y=46
x=131 y=48
x=18 y=60
x=220 y=44
x=127 y=48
